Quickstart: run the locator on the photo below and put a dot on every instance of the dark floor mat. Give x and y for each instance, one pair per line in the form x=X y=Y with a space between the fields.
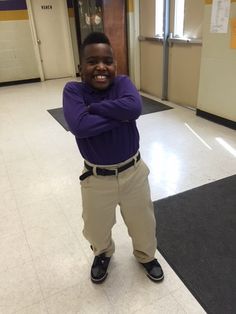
x=58 y=115
x=149 y=106
x=197 y=236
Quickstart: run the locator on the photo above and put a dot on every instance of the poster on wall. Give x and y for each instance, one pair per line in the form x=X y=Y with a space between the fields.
x=220 y=16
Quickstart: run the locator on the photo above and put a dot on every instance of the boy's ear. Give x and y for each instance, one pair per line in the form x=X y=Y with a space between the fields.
x=80 y=71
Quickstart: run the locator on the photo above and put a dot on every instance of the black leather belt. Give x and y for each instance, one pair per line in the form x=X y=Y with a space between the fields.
x=108 y=172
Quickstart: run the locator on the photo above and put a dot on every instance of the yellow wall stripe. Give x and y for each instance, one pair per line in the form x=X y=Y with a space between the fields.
x=130 y=6
x=14 y=15
x=71 y=12
x=210 y=1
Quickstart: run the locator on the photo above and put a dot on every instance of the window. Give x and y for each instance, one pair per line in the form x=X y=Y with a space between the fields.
x=179 y=19
x=159 y=10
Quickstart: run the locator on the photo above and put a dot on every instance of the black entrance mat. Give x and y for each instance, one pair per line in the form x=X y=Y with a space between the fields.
x=58 y=115
x=149 y=106
x=197 y=236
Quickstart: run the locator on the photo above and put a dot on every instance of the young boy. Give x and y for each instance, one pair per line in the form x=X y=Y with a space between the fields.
x=101 y=113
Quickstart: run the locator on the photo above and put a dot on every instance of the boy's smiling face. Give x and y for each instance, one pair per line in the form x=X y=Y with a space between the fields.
x=98 y=67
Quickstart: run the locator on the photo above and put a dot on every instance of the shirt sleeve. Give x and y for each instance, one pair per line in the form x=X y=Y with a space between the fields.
x=81 y=123
x=126 y=106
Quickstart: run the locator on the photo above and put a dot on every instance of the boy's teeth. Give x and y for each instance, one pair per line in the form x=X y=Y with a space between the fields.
x=100 y=78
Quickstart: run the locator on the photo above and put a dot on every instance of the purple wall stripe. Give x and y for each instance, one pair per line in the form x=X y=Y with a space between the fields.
x=69 y=3
x=8 y=5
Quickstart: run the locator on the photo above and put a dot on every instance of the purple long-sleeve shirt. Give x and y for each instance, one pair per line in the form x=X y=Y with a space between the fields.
x=103 y=121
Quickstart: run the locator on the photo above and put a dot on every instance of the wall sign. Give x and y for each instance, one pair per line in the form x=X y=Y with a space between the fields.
x=220 y=16
x=46 y=7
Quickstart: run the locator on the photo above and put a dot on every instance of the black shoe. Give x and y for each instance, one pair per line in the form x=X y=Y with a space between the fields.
x=99 y=268
x=154 y=270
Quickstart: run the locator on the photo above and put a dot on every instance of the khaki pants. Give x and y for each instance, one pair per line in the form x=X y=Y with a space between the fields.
x=130 y=190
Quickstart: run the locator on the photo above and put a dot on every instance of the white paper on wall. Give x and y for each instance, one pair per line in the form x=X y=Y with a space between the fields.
x=220 y=16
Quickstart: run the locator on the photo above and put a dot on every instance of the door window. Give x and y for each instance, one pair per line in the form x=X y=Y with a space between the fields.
x=159 y=11
x=90 y=17
x=179 y=19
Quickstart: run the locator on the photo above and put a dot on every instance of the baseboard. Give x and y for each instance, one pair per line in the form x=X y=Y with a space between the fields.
x=34 y=80
x=212 y=117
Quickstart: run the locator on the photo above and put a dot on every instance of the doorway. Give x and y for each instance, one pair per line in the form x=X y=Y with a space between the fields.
x=50 y=27
x=170 y=49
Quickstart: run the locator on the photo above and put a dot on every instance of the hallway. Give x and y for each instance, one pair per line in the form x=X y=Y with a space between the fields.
x=44 y=261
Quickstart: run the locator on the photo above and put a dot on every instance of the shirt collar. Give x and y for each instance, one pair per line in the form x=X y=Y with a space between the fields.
x=90 y=90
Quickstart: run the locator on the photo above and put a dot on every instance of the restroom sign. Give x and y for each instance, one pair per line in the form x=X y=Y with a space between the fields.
x=46 y=7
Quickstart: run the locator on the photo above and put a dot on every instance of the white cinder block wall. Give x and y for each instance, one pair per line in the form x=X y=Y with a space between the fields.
x=17 y=57
x=218 y=70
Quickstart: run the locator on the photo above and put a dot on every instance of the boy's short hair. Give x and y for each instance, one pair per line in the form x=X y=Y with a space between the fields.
x=95 y=38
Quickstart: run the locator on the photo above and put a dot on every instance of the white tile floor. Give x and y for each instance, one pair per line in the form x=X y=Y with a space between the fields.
x=44 y=260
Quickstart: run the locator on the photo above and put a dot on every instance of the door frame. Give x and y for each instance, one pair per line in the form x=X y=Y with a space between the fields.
x=133 y=31
x=34 y=38
x=36 y=41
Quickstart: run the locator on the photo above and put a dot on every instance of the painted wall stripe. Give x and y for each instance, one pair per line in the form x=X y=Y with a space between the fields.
x=69 y=4
x=13 y=5
x=210 y=1
x=130 y=6
x=14 y=15
x=71 y=12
